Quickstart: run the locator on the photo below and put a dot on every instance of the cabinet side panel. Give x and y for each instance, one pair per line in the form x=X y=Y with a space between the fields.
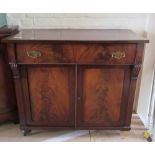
x=133 y=93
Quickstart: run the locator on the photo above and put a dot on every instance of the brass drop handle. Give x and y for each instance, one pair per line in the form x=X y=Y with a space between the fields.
x=34 y=54
x=118 y=54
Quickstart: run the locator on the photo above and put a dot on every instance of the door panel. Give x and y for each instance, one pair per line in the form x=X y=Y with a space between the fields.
x=101 y=100
x=51 y=95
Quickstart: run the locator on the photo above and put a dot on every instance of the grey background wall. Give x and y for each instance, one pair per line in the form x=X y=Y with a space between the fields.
x=2 y=19
x=143 y=24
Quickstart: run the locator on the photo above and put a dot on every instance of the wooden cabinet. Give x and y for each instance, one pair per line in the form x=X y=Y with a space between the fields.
x=84 y=81
x=8 y=106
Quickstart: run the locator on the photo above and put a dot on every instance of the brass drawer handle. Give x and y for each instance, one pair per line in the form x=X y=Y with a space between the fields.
x=118 y=54
x=34 y=54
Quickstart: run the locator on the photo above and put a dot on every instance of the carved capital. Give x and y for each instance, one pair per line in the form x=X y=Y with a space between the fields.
x=138 y=61
x=136 y=69
x=15 y=71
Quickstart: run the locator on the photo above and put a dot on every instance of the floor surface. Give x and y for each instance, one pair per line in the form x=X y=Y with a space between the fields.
x=11 y=133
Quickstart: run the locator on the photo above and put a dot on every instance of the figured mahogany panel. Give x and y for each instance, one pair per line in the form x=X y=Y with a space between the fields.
x=48 y=53
x=77 y=53
x=51 y=91
x=105 y=53
x=101 y=96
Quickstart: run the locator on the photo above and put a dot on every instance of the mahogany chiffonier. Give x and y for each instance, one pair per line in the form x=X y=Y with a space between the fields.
x=75 y=79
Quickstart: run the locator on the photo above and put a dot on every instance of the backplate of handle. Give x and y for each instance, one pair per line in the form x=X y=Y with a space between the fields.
x=34 y=54
x=118 y=54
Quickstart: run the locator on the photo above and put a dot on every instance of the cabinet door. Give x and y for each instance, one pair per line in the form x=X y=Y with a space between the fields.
x=102 y=95
x=49 y=95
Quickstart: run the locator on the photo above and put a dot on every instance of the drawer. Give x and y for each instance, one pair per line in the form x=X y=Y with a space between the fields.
x=105 y=54
x=31 y=53
x=86 y=53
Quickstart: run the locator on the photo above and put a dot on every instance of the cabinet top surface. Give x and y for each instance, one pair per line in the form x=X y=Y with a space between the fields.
x=98 y=35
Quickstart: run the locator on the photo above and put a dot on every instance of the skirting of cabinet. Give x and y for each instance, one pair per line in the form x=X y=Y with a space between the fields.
x=77 y=128
x=27 y=130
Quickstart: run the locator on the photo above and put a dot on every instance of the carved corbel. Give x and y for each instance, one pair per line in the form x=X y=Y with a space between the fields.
x=138 y=61
x=136 y=69
x=15 y=71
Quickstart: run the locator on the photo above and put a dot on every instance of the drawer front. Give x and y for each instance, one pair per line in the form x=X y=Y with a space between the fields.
x=32 y=53
x=87 y=53
x=106 y=54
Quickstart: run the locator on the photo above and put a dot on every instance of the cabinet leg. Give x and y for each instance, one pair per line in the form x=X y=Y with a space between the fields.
x=26 y=131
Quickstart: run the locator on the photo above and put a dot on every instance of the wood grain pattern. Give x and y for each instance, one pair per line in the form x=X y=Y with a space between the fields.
x=50 y=53
x=102 y=53
x=101 y=95
x=51 y=94
x=76 y=53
